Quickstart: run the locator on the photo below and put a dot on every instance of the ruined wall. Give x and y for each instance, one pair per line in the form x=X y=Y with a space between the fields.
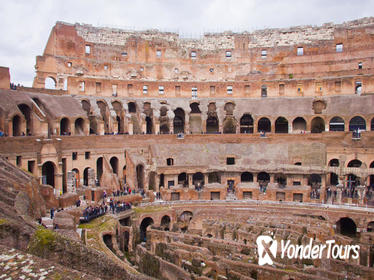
x=132 y=63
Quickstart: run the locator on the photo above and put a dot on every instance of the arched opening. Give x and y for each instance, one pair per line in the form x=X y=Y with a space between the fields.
x=355 y=163
x=229 y=125
x=149 y=126
x=169 y=161
x=263 y=178
x=334 y=162
x=246 y=124
x=370 y=227
x=152 y=181
x=372 y=124
x=299 y=125
x=164 y=129
x=86 y=106
x=281 y=125
x=126 y=239
x=357 y=123
x=351 y=183
x=76 y=178
x=99 y=168
x=281 y=180
x=140 y=176
x=79 y=126
x=85 y=176
x=371 y=183
x=318 y=125
x=131 y=107
x=334 y=179
x=16 y=125
x=214 y=177
x=50 y=83
x=346 y=226
x=337 y=124
x=48 y=173
x=107 y=238
x=182 y=179
x=117 y=106
x=246 y=177
x=162 y=180
x=264 y=125
x=143 y=228
x=178 y=122
x=315 y=180
x=165 y=223
x=26 y=111
x=104 y=112
x=198 y=179
x=64 y=126
x=114 y=164
x=93 y=125
x=195 y=108
x=212 y=125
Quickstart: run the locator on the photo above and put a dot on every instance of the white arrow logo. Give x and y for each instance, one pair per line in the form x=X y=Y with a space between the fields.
x=267 y=249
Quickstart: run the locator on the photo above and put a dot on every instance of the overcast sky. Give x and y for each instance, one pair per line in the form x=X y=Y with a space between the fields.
x=25 y=24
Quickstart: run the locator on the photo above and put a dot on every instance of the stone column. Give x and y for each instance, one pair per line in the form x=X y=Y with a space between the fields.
x=190 y=181
x=206 y=178
x=71 y=182
x=91 y=177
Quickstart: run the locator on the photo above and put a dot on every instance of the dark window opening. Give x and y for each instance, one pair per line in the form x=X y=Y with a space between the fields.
x=74 y=156
x=230 y=161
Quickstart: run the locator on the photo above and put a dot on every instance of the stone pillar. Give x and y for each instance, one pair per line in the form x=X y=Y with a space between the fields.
x=272 y=178
x=206 y=178
x=339 y=190
x=91 y=177
x=157 y=127
x=190 y=181
x=131 y=128
x=289 y=127
x=254 y=126
x=71 y=182
x=157 y=182
x=323 y=188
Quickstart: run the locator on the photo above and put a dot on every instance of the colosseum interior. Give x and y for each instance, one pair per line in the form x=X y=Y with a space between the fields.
x=221 y=140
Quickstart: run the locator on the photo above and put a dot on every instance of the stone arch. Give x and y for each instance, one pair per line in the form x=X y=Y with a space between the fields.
x=164 y=120
x=79 y=126
x=246 y=124
x=140 y=176
x=179 y=120
x=65 y=126
x=355 y=163
x=99 y=168
x=346 y=226
x=50 y=83
x=315 y=180
x=16 y=125
x=334 y=162
x=146 y=222
x=114 y=164
x=182 y=179
x=263 y=177
x=281 y=179
x=212 y=124
x=317 y=125
x=152 y=181
x=76 y=177
x=198 y=179
x=131 y=107
x=229 y=125
x=86 y=106
x=26 y=111
x=357 y=122
x=214 y=177
x=299 y=124
x=336 y=124
x=165 y=222
x=104 y=112
x=281 y=125
x=246 y=177
x=334 y=179
x=85 y=176
x=48 y=173
x=264 y=125
x=120 y=116
x=370 y=227
x=195 y=118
